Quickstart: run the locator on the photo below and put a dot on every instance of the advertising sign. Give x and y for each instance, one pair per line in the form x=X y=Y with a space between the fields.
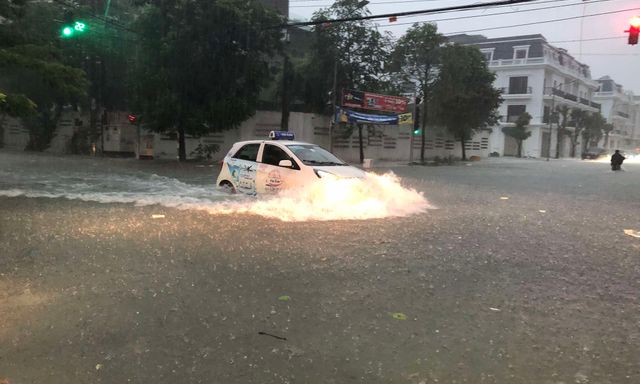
x=346 y=115
x=373 y=101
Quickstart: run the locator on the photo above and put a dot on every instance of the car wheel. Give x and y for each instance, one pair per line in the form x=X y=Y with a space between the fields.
x=226 y=186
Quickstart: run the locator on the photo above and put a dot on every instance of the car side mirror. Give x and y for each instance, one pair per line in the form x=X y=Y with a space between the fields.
x=285 y=163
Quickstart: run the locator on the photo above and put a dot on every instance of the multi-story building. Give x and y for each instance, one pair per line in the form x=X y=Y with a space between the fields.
x=621 y=109
x=536 y=78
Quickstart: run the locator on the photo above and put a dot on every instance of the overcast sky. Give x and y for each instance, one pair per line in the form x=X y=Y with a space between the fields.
x=613 y=57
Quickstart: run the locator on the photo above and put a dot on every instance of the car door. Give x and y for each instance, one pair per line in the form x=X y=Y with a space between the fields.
x=273 y=178
x=243 y=167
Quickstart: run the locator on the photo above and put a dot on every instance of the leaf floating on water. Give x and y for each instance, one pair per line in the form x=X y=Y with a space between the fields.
x=399 y=316
x=284 y=298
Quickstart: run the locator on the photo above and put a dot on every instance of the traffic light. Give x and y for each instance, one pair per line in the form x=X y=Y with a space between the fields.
x=72 y=26
x=634 y=29
x=132 y=118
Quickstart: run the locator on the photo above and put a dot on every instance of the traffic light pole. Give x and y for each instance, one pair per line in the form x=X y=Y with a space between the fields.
x=415 y=111
x=333 y=104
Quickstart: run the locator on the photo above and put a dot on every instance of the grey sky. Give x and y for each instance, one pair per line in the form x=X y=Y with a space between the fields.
x=613 y=57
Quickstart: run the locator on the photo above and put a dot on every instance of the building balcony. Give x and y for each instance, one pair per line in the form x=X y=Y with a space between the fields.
x=509 y=91
x=548 y=61
x=577 y=100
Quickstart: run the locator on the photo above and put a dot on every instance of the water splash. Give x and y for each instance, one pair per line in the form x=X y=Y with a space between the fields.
x=376 y=196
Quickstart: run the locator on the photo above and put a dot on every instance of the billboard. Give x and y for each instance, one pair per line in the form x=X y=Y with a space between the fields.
x=373 y=101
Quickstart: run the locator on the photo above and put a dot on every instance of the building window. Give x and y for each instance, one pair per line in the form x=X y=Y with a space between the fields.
x=488 y=54
x=518 y=85
x=514 y=111
x=521 y=52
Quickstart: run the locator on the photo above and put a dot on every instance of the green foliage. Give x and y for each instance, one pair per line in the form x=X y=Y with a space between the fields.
x=17 y=105
x=356 y=47
x=416 y=53
x=579 y=118
x=202 y=64
x=519 y=130
x=464 y=99
x=32 y=65
x=594 y=128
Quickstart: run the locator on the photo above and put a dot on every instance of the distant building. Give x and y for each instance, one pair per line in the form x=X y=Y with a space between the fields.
x=622 y=109
x=535 y=77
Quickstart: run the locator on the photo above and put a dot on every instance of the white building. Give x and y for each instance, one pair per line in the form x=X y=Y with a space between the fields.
x=622 y=109
x=535 y=77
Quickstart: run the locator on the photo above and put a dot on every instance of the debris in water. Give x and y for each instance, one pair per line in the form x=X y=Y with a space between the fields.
x=284 y=298
x=504 y=198
x=632 y=232
x=542 y=211
x=274 y=336
x=494 y=309
x=157 y=216
x=399 y=316
x=98 y=367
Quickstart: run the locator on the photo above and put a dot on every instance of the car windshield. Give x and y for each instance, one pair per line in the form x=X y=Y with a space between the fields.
x=314 y=155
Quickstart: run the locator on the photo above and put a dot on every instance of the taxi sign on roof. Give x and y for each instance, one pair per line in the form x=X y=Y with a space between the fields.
x=281 y=135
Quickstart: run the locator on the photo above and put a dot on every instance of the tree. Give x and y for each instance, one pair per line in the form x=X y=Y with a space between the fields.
x=349 y=54
x=563 y=112
x=415 y=58
x=32 y=65
x=202 y=64
x=594 y=125
x=18 y=106
x=578 y=117
x=464 y=98
x=519 y=130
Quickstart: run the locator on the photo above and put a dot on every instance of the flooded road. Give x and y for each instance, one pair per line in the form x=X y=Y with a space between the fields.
x=523 y=274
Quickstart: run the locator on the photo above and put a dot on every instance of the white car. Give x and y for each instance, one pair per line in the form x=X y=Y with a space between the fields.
x=269 y=166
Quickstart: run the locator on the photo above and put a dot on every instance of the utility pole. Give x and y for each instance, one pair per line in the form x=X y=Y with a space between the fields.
x=416 y=125
x=284 y=121
x=333 y=103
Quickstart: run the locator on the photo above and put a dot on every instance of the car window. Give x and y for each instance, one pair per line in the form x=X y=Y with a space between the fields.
x=248 y=152
x=273 y=154
x=314 y=155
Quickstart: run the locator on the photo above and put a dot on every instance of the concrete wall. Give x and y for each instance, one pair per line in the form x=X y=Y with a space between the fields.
x=380 y=142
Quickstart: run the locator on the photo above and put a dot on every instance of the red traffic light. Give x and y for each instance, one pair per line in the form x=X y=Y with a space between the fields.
x=634 y=30
x=635 y=22
x=132 y=118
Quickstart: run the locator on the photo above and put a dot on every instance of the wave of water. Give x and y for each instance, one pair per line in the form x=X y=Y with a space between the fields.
x=376 y=196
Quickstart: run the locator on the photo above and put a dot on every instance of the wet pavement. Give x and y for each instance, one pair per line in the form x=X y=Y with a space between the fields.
x=523 y=274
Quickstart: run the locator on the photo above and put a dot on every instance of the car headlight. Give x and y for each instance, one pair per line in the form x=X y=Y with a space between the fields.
x=324 y=174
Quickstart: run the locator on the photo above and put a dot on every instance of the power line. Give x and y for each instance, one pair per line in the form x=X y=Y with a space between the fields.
x=407 y=13
x=544 y=21
x=496 y=13
x=527 y=24
x=370 y=3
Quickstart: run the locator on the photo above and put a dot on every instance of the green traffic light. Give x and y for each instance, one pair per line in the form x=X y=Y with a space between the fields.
x=417 y=131
x=67 y=31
